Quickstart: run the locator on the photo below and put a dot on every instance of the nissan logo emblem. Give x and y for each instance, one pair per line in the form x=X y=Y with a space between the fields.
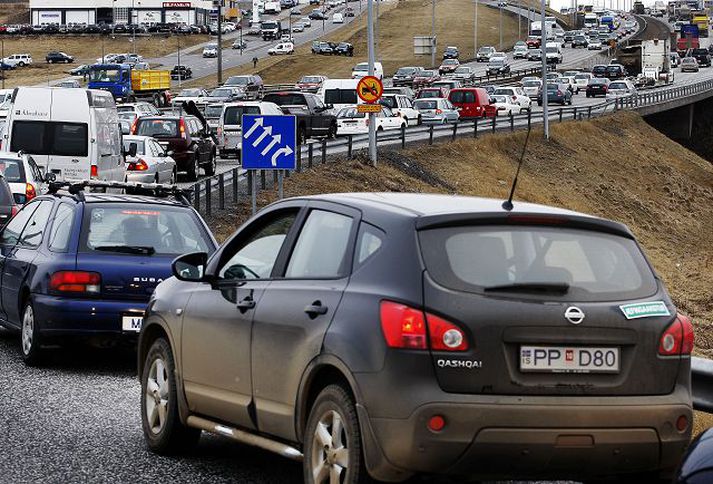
x=574 y=315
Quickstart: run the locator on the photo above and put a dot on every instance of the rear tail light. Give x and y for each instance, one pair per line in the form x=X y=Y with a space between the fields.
x=678 y=338
x=367 y=121
x=139 y=165
x=76 y=281
x=134 y=126
x=182 y=128
x=559 y=93
x=94 y=172
x=30 y=192
x=409 y=328
x=439 y=111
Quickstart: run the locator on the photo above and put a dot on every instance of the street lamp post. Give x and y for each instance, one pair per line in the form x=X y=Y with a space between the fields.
x=370 y=42
x=220 y=42
x=475 y=31
x=4 y=71
x=180 y=75
x=433 y=33
x=501 y=27
x=543 y=48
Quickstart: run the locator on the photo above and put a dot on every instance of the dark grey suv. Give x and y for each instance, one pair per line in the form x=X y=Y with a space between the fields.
x=398 y=334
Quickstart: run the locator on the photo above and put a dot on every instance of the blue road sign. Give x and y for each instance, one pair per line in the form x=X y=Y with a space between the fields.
x=269 y=142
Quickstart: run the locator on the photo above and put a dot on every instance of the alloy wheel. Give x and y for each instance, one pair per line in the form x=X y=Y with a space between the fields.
x=156 y=397
x=330 y=455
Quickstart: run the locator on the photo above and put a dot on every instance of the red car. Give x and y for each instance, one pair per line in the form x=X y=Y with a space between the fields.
x=533 y=42
x=472 y=102
x=425 y=78
x=310 y=83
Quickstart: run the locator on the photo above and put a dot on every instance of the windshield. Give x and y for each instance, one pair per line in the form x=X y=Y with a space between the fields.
x=405 y=71
x=234 y=114
x=463 y=70
x=389 y=101
x=597 y=80
x=139 y=145
x=582 y=76
x=220 y=92
x=485 y=50
x=504 y=92
x=104 y=75
x=361 y=67
x=311 y=79
x=450 y=62
x=497 y=62
x=599 y=69
x=500 y=99
x=163 y=229
x=237 y=81
x=340 y=96
x=158 y=128
x=189 y=93
x=595 y=266
x=420 y=105
x=350 y=113
x=531 y=84
x=618 y=85
x=12 y=170
x=551 y=50
x=286 y=99
x=427 y=74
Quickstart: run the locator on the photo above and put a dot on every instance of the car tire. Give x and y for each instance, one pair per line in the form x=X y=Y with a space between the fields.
x=211 y=166
x=192 y=172
x=419 y=121
x=164 y=435
x=21 y=64
x=30 y=339
x=302 y=135
x=333 y=441
x=332 y=131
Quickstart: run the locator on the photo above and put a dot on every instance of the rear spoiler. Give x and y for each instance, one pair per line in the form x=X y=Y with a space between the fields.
x=524 y=218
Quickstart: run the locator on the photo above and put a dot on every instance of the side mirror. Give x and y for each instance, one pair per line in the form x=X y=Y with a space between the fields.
x=190 y=267
x=169 y=153
x=132 y=149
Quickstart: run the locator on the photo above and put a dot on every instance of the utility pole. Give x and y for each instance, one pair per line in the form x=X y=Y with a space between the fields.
x=178 y=38
x=501 y=27
x=370 y=42
x=2 y=56
x=519 y=20
x=543 y=43
x=376 y=27
x=475 y=31
x=220 y=42
x=433 y=32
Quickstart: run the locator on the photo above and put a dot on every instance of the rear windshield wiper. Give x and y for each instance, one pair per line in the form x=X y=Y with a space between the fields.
x=127 y=249
x=556 y=287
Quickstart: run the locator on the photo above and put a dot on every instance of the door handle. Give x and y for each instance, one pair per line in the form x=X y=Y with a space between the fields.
x=245 y=304
x=315 y=309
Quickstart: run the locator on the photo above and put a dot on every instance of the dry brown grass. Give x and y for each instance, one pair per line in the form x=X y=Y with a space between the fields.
x=15 y=12
x=85 y=49
x=398 y=23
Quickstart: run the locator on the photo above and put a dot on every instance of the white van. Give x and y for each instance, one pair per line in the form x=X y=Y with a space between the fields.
x=5 y=102
x=340 y=93
x=362 y=69
x=73 y=133
x=230 y=131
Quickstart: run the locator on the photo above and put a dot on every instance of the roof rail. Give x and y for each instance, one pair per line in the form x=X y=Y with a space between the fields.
x=77 y=187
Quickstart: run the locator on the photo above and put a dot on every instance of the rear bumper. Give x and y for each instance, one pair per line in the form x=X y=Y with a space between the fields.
x=61 y=316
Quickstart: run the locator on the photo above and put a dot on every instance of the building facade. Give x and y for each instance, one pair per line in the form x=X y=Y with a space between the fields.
x=119 y=11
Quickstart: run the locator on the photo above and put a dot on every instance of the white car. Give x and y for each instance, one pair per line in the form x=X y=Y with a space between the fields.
x=210 y=51
x=594 y=44
x=152 y=164
x=621 y=88
x=362 y=69
x=287 y=38
x=141 y=108
x=23 y=175
x=517 y=95
x=298 y=27
x=18 y=60
x=520 y=52
x=582 y=79
x=186 y=95
x=350 y=121
x=283 y=48
x=532 y=88
x=504 y=105
x=338 y=18
x=401 y=105
x=306 y=21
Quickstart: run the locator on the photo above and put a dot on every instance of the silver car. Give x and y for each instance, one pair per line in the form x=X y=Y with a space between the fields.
x=152 y=164
x=436 y=111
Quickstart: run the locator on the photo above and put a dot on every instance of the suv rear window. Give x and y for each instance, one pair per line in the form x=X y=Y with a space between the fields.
x=596 y=266
x=234 y=114
x=12 y=170
x=142 y=230
x=158 y=128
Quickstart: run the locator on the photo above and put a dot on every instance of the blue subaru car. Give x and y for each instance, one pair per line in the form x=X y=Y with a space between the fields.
x=78 y=264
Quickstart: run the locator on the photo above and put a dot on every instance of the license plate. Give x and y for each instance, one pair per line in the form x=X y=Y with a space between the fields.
x=132 y=323
x=564 y=359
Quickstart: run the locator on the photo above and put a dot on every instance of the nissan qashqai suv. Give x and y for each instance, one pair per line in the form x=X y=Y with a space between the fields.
x=388 y=335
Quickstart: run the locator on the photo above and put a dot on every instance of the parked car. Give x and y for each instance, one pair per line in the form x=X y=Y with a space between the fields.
x=556 y=93
x=620 y=88
x=310 y=83
x=598 y=86
x=689 y=64
x=404 y=76
x=187 y=137
x=18 y=60
x=344 y=48
x=181 y=72
x=436 y=111
x=451 y=52
x=54 y=57
x=90 y=263
x=351 y=122
x=403 y=106
x=24 y=178
x=323 y=48
x=448 y=66
x=472 y=102
x=484 y=53
x=151 y=164
x=251 y=85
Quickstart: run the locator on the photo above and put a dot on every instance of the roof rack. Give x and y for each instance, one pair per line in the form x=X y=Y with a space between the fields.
x=77 y=187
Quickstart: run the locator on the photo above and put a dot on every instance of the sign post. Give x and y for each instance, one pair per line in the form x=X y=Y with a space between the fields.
x=268 y=143
x=369 y=90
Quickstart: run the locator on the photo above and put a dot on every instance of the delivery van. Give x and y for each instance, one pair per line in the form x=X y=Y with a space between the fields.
x=73 y=133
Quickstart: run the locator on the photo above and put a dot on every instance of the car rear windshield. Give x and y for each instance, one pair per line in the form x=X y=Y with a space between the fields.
x=213 y=111
x=158 y=128
x=426 y=104
x=234 y=114
x=459 y=97
x=590 y=265
x=145 y=229
x=237 y=81
x=531 y=84
x=597 y=80
x=340 y=96
x=50 y=138
x=140 y=149
x=617 y=85
x=405 y=71
x=12 y=170
x=286 y=99
x=599 y=69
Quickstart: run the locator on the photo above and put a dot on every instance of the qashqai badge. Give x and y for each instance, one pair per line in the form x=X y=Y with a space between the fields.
x=574 y=315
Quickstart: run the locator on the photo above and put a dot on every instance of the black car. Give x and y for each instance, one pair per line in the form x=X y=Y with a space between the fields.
x=451 y=53
x=56 y=57
x=8 y=207
x=702 y=56
x=317 y=15
x=386 y=335
x=323 y=48
x=181 y=72
x=344 y=48
x=597 y=86
x=404 y=75
x=580 y=41
x=616 y=71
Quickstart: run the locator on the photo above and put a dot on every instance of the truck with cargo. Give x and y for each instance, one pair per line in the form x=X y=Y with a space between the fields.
x=648 y=60
x=689 y=39
x=700 y=19
x=591 y=21
x=128 y=84
x=273 y=7
x=639 y=8
x=271 y=30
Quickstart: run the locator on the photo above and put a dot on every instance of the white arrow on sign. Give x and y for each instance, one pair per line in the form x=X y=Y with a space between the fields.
x=265 y=133
x=287 y=151
x=275 y=139
x=258 y=122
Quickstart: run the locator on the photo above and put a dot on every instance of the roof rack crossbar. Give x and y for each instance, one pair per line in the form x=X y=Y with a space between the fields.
x=77 y=187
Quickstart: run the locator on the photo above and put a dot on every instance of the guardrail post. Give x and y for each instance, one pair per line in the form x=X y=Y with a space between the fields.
x=263 y=185
x=512 y=122
x=236 y=174
x=560 y=115
x=475 y=128
x=324 y=151
x=430 y=135
x=299 y=158
x=221 y=191
x=575 y=113
x=494 y=122
x=589 y=113
x=403 y=136
x=197 y=197
x=455 y=130
x=529 y=118
x=251 y=175
x=274 y=178
x=208 y=196
x=310 y=156
x=349 y=147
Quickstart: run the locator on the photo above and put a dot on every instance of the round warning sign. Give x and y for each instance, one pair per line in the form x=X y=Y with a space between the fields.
x=369 y=89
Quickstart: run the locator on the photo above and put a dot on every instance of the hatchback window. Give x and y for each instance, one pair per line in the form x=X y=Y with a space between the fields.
x=321 y=249
x=158 y=128
x=286 y=99
x=14 y=228
x=583 y=265
x=340 y=96
x=32 y=235
x=425 y=104
x=61 y=228
x=255 y=257
x=234 y=114
x=142 y=230
x=12 y=170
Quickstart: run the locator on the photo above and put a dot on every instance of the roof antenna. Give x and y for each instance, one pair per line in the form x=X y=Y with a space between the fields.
x=507 y=204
